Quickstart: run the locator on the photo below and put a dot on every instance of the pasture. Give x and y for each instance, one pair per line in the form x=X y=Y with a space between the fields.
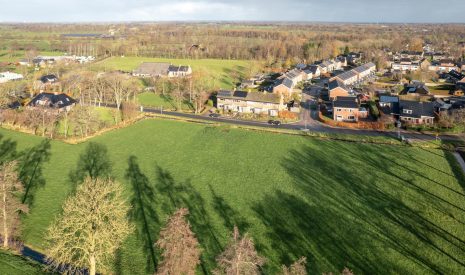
x=222 y=71
x=376 y=209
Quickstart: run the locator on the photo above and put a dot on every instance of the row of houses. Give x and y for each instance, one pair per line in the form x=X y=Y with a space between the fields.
x=356 y=75
x=251 y=102
x=161 y=69
x=303 y=72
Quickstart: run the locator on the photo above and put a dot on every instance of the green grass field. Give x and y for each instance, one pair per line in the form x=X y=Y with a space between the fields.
x=376 y=209
x=5 y=56
x=154 y=100
x=15 y=265
x=221 y=70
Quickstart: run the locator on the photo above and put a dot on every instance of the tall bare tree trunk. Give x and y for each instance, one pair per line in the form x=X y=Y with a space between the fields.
x=5 y=226
x=92 y=265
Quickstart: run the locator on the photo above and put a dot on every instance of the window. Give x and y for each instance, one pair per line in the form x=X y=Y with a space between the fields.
x=339 y=110
x=406 y=111
x=351 y=118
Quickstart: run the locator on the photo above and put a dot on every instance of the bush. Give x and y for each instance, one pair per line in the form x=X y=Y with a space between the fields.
x=210 y=103
x=374 y=111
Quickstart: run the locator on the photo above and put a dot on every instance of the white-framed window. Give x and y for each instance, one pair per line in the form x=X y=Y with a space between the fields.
x=406 y=111
x=339 y=110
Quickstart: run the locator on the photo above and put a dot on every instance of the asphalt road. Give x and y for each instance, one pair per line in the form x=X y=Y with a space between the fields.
x=313 y=126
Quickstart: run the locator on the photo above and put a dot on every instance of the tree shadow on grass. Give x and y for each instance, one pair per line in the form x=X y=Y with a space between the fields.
x=183 y=194
x=230 y=216
x=143 y=212
x=30 y=169
x=456 y=169
x=344 y=214
x=7 y=150
x=94 y=162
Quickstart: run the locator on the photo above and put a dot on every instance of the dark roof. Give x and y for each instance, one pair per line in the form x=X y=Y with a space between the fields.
x=456 y=75
x=286 y=82
x=346 y=102
x=174 y=68
x=347 y=75
x=52 y=100
x=418 y=109
x=152 y=68
x=415 y=88
x=313 y=68
x=388 y=99
x=337 y=84
x=48 y=78
x=252 y=96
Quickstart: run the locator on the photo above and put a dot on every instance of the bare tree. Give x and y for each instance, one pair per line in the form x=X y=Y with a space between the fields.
x=297 y=268
x=84 y=118
x=91 y=228
x=122 y=87
x=240 y=257
x=181 y=252
x=10 y=202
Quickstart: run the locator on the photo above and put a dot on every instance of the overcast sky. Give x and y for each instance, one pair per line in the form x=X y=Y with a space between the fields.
x=250 y=10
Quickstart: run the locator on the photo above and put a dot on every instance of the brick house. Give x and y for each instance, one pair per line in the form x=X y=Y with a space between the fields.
x=336 y=89
x=416 y=113
x=347 y=109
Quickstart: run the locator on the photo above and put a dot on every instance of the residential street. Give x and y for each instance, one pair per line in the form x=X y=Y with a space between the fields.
x=312 y=125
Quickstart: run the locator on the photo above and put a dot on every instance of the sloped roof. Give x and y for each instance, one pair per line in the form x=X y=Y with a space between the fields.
x=314 y=68
x=346 y=102
x=48 y=78
x=333 y=84
x=152 y=68
x=347 y=75
x=252 y=96
x=52 y=100
x=418 y=109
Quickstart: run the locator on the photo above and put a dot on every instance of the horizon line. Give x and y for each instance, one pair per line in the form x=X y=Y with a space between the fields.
x=300 y=22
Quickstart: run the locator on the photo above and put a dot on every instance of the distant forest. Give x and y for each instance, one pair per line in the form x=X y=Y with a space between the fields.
x=273 y=42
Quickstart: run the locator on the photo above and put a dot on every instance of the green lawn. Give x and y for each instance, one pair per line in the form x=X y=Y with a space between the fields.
x=221 y=70
x=16 y=265
x=377 y=209
x=154 y=100
x=5 y=56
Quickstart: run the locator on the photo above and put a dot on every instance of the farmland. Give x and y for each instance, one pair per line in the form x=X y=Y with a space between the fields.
x=373 y=208
x=222 y=71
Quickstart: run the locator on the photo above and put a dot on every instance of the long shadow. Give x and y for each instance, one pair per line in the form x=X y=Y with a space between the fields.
x=94 y=162
x=30 y=169
x=143 y=212
x=342 y=214
x=7 y=150
x=185 y=195
x=456 y=169
x=230 y=216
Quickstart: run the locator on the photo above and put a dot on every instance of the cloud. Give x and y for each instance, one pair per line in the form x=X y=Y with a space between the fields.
x=250 y=10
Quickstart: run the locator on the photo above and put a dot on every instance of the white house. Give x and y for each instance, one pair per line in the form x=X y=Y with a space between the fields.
x=9 y=76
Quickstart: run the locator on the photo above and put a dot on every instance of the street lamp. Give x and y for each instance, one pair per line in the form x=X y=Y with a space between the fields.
x=399 y=125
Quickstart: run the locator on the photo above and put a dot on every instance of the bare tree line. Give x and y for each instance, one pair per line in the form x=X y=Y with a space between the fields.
x=235 y=41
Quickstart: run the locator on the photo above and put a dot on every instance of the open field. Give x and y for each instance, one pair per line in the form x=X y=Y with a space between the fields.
x=16 y=265
x=6 y=56
x=221 y=70
x=374 y=208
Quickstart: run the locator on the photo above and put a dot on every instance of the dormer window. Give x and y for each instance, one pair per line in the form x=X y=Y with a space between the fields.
x=409 y=112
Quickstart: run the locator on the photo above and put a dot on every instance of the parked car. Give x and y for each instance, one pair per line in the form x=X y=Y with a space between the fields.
x=274 y=122
x=214 y=115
